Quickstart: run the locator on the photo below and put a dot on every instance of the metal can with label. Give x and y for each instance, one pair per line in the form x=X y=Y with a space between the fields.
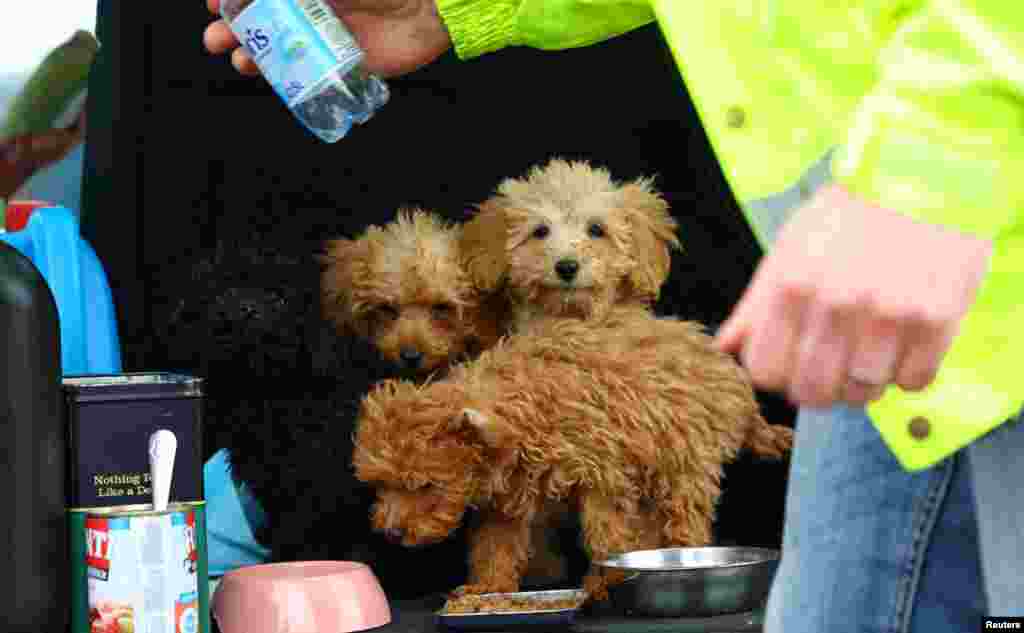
x=110 y=419
x=142 y=569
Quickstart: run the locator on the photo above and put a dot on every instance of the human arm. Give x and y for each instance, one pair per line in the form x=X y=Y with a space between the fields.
x=400 y=36
x=939 y=139
x=483 y=26
x=930 y=215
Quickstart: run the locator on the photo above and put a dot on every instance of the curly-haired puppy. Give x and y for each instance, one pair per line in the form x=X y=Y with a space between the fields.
x=629 y=424
x=392 y=302
x=402 y=286
x=245 y=318
x=593 y=400
x=569 y=241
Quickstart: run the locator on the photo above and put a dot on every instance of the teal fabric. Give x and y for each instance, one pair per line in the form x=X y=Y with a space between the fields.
x=232 y=517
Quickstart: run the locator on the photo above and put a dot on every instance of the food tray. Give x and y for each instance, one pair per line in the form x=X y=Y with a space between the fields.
x=494 y=620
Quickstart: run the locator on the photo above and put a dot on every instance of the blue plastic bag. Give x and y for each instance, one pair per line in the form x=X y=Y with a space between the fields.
x=85 y=306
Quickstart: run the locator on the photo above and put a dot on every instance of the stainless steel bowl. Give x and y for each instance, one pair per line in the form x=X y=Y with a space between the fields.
x=692 y=581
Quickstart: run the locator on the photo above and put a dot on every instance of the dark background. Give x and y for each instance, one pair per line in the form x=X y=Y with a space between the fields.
x=185 y=157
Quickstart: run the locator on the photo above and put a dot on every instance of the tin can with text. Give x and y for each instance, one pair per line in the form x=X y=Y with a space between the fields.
x=142 y=570
x=110 y=419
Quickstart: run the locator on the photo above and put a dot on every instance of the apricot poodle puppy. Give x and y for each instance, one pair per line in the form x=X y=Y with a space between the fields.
x=569 y=241
x=631 y=431
x=402 y=287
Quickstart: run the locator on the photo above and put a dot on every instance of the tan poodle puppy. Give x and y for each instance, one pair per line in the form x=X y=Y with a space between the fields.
x=402 y=287
x=569 y=241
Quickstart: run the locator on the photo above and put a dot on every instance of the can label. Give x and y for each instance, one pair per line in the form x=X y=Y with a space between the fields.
x=295 y=44
x=141 y=571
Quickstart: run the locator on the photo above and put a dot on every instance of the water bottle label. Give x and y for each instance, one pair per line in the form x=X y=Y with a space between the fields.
x=295 y=43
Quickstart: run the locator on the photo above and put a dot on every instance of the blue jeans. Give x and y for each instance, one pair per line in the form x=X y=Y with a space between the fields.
x=869 y=547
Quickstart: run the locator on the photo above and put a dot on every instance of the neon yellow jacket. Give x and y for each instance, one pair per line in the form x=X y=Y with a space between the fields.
x=924 y=101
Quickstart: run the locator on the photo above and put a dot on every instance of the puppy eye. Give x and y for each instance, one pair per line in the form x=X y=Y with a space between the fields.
x=541 y=232
x=442 y=310
x=595 y=230
x=387 y=311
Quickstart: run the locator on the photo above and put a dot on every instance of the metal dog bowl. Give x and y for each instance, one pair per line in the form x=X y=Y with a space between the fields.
x=692 y=581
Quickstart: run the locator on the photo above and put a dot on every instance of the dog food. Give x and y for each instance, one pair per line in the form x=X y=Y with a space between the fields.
x=142 y=568
x=506 y=603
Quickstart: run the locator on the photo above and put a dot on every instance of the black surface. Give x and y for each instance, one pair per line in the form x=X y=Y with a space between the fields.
x=734 y=623
x=32 y=452
x=419 y=616
x=113 y=196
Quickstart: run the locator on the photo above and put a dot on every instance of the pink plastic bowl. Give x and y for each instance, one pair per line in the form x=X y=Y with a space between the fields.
x=307 y=597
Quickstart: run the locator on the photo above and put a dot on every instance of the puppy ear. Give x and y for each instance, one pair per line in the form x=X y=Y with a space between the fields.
x=653 y=235
x=336 y=282
x=482 y=246
x=494 y=434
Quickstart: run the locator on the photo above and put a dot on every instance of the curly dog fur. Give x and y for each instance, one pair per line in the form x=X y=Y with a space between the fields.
x=593 y=400
x=630 y=424
x=616 y=240
x=569 y=241
x=402 y=286
x=392 y=302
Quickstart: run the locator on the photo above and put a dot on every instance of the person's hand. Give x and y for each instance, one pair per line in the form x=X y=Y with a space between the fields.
x=399 y=36
x=851 y=299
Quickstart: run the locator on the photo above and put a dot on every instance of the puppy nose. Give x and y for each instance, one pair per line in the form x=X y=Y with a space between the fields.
x=411 y=357
x=567 y=269
x=393 y=535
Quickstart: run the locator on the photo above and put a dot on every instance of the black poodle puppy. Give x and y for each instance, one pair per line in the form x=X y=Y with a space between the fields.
x=283 y=389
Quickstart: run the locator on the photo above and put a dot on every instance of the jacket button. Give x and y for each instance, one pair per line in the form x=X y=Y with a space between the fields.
x=735 y=117
x=919 y=428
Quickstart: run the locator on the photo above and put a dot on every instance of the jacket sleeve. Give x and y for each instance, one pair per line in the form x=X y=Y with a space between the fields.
x=939 y=138
x=482 y=26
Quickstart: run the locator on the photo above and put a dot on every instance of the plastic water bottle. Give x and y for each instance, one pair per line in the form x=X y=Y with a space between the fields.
x=311 y=60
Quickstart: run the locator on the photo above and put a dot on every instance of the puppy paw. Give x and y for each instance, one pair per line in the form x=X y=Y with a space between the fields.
x=595 y=585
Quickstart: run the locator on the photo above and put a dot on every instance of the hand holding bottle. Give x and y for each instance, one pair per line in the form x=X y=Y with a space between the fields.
x=399 y=36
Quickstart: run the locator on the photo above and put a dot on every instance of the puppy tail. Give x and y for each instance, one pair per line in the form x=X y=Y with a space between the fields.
x=769 y=440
